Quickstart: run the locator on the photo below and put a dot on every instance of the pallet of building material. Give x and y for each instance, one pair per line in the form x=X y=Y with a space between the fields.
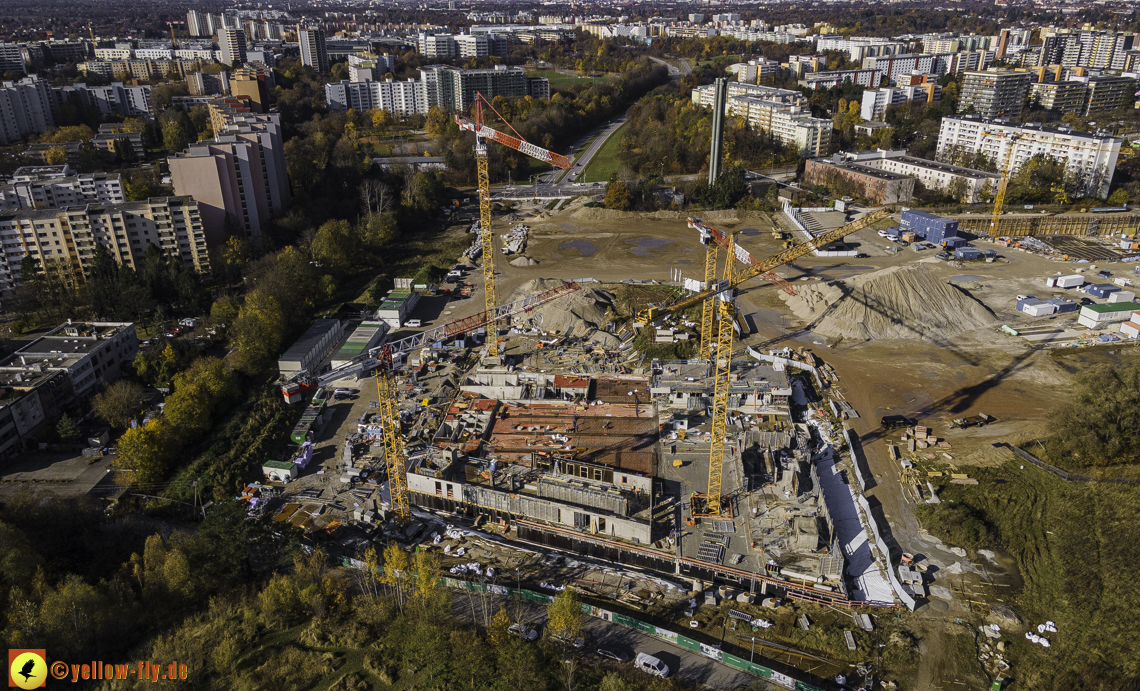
x=944 y=444
x=934 y=473
x=964 y=481
x=947 y=456
x=911 y=445
x=959 y=476
x=893 y=451
x=850 y=640
x=920 y=444
x=804 y=623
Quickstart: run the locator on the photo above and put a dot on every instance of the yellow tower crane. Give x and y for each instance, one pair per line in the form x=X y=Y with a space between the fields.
x=395 y=459
x=482 y=134
x=722 y=361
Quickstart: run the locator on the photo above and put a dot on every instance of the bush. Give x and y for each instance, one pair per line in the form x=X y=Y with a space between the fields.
x=956 y=524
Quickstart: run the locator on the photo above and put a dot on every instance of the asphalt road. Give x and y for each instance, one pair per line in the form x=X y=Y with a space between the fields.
x=683 y=663
x=561 y=183
x=674 y=72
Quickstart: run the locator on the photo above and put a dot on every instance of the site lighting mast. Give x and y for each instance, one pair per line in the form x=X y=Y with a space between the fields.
x=482 y=135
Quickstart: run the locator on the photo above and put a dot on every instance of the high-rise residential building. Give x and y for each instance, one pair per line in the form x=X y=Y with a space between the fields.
x=238 y=178
x=454 y=90
x=59 y=186
x=11 y=58
x=473 y=46
x=115 y=99
x=255 y=80
x=1058 y=97
x=1011 y=41
x=1106 y=92
x=876 y=101
x=1090 y=158
x=68 y=235
x=437 y=45
x=783 y=114
x=365 y=67
x=196 y=24
x=26 y=107
x=403 y=98
x=1085 y=48
x=232 y=44
x=994 y=92
x=897 y=69
x=202 y=84
x=859 y=48
x=313 y=51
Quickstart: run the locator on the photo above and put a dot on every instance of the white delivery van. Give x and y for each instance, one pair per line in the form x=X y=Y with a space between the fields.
x=652 y=665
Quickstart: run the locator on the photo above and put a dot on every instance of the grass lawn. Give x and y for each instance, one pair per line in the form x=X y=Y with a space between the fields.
x=604 y=163
x=1075 y=546
x=559 y=79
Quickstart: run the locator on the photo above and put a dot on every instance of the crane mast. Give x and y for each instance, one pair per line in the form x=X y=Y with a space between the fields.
x=484 y=133
x=788 y=255
x=723 y=362
x=395 y=459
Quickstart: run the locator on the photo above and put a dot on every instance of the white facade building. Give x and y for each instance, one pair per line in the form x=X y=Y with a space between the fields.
x=1090 y=157
x=405 y=98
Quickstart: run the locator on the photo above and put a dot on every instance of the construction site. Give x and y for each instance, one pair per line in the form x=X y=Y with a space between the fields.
x=699 y=414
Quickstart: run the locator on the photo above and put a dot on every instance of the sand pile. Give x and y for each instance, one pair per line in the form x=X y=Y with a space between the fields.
x=901 y=302
x=581 y=313
x=524 y=261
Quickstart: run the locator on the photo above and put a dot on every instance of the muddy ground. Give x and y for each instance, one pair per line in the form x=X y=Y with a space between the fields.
x=1013 y=379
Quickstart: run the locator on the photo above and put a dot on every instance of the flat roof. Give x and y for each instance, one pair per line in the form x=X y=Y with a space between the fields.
x=1112 y=307
x=309 y=340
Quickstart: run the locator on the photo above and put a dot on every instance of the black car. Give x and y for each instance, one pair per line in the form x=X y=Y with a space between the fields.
x=613 y=654
x=892 y=421
x=1088 y=301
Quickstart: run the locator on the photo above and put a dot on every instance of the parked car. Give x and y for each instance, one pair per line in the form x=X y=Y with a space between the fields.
x=652 y=665
x=942 y=255
x=1088 y=301
x=414 y=323
x=613 y=654
x=575 y=642
x=524 y=632
x=903 y=243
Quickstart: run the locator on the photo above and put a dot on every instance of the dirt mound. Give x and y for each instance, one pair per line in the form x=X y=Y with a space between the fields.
x=593 y=213
x=524 y=261
x=581 y=313
x=900 y=302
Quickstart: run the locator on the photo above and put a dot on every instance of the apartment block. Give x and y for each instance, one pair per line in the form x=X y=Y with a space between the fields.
x=202 y=84
x=756 y=71
x=11 y=58
x=860 y=48
x=1091 y=157
x=994 y=92
x=67 y=236
x=113 y=140
x=868 y=78
x=1059 y=97
x=1085 y=48
x=405 y=98
x=26 y=107
x=876 y=101
x=782 y=113
x=115 y=99
x=232 y=45
x=933 y=175
x=255 y=81
x=454 y=90
x=196 y=24
x=877 y=186
x=437 y=46
x=1106 y=93
x=370 y=67
x=898 y=69
x=57 y=187
x=313 y=50
x=238 y=178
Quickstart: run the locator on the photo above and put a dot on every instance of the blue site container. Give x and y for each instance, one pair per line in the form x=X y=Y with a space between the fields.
x=1063 y=305
x=968 y=253
x=954 y=242
x=929 y=227
x=1030 y=300
x=1101 y=290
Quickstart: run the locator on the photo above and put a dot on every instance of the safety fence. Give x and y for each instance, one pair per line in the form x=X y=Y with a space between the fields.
x=670 y=637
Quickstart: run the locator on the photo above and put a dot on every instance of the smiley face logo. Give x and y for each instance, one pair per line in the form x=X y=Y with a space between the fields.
x=27 y=669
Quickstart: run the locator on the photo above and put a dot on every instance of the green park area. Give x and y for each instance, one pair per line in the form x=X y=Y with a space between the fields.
x=605 y=163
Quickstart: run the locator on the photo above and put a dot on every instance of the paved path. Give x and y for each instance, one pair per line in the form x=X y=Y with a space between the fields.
x=561 y=183
x=674 y=71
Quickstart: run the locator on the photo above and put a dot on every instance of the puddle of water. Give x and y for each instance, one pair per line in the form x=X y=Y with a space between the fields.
x=751 y=232
x=966 y=279
x=643 y=245
x=584 y=246
x=688 y=249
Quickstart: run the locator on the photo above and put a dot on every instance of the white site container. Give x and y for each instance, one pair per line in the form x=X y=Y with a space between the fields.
x=1122 y=296
x=1040 y=310
x=1071 y=281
